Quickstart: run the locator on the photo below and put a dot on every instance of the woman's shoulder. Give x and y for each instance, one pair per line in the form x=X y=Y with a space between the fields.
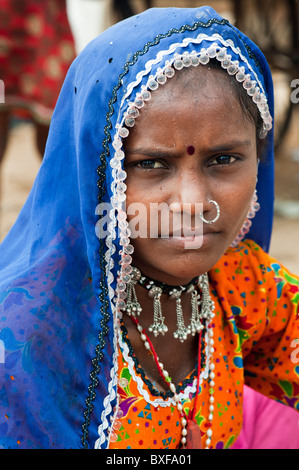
x=248 y=267
x=249 y=256
x=247 y=249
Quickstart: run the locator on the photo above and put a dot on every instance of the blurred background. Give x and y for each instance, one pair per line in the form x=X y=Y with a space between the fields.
x=56 y=31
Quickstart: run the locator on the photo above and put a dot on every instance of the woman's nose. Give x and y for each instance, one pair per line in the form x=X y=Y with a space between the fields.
x=191 y=195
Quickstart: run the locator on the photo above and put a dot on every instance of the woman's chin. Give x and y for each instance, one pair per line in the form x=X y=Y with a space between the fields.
x=179 y=257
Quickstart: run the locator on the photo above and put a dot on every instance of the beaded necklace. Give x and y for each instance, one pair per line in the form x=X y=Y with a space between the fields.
x=190 y=433
x=202 y=311
x=201 y=305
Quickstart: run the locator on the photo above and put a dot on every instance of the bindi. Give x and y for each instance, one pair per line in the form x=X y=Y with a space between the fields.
x=190 y=150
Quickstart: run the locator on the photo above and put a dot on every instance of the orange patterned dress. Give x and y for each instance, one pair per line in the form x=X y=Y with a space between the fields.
x=255 y=331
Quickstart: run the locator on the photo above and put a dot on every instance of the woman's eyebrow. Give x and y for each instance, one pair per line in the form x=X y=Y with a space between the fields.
x=163 y=152
x=153 y=152
x=233 y=144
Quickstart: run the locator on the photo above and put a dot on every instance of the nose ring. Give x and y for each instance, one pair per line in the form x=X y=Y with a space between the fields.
x=217 y=215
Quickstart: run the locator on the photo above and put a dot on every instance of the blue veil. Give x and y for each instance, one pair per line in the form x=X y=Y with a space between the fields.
x=58 y=375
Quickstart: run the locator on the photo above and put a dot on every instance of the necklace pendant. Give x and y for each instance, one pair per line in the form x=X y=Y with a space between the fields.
x=181 y=333
x=158 y=326
x=133 y=309
x=193 y=438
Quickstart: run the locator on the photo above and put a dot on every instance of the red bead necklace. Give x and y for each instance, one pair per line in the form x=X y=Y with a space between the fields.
x=191 y=435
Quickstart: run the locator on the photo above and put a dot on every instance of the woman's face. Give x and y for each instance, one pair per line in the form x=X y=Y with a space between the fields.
x=190 y=144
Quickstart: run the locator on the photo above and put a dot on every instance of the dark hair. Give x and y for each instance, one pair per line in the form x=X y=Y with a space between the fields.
x=249 y=108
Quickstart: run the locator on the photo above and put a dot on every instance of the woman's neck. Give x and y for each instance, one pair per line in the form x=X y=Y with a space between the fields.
x=179 y=359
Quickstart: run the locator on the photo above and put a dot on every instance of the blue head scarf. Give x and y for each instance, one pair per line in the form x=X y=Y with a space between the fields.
x=58 y=370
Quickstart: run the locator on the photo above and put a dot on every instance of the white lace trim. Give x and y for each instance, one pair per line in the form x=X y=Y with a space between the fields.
x=185 y=43
x=111 y=248
x=112 y=386
x=184 y=395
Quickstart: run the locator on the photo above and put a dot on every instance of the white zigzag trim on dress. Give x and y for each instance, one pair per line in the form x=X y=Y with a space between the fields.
x=142 y=386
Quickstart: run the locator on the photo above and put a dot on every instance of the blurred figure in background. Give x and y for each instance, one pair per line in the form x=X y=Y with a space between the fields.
x=36 y=50
x=88 y=18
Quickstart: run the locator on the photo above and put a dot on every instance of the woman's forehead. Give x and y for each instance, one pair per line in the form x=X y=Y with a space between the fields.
x=194 y=83
x=211 y=96
x=213 y=120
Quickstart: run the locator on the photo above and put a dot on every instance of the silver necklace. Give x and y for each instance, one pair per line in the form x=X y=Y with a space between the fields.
x=201 y=304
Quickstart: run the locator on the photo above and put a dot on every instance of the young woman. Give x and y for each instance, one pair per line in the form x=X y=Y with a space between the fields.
x=133 y=311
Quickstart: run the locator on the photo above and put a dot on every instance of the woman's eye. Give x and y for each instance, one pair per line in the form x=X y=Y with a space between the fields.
x=149 y=164
x=223 y=160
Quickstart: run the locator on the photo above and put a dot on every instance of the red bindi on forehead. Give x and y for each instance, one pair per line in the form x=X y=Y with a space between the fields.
x=190 y=150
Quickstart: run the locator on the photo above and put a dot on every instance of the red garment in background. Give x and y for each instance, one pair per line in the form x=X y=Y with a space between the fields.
x=36 y=50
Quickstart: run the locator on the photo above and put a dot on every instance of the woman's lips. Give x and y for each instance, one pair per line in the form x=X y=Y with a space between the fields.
x=190 y=240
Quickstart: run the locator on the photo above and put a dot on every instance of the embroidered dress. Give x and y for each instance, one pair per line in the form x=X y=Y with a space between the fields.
x=147 y=418
x=255 y=297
